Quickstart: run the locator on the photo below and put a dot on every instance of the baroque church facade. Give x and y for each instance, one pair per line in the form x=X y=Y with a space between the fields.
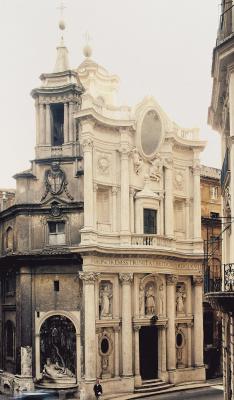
x=101 y=253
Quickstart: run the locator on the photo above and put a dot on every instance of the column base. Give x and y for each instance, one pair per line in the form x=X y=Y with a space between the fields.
x=137 y=380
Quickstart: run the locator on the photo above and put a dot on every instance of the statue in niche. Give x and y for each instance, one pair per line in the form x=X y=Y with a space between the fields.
x=105 y=300
x=180 y=299
x=155 y=171
x=55 y=181
x=150 y=301
x=55 y=371
x=137 y=161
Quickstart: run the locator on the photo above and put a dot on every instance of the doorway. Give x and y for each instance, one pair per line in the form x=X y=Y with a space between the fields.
x=148 y=341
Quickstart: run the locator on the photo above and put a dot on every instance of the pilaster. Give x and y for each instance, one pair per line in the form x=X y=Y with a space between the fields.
x=137 y=356
x=87 y=145
x=126 y=281
x=169 y=214
x=171 y=345
x=198 y=321
x=89 y=279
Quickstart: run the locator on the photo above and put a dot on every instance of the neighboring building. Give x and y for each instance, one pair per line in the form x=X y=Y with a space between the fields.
x=212 y=239
x=104 y=273
x=7 y=198
x=221 y=118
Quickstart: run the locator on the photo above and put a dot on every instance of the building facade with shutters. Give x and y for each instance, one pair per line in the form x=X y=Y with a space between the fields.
x=221 y=118
x=211 y=223
x=103 y=274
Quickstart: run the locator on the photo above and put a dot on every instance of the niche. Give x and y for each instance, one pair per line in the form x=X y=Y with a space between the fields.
x=57 y=123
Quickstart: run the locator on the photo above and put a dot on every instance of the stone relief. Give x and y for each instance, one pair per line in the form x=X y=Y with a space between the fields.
x=150 y=299
x=156 y=168
x=180 y=344
x=55 y=181
x=103 y=165
x=178 y=180
x=137 y=161
x=180 y=298
x=105 y=346
x=105 y=300
x=26 y=361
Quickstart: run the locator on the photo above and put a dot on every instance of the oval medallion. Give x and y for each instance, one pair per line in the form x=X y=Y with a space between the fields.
x=151 y=132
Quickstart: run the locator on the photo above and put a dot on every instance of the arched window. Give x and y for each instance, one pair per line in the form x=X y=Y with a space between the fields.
x=9 y=238
x=10 y=339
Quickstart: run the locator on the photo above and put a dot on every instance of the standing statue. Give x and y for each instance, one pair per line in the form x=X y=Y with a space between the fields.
x=137 y=161
x=150 y=301
x=105 y=295
x=155 y=171
x=180 y=299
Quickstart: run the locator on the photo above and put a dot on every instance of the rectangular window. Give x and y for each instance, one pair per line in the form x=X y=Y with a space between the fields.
x=214 y=192
x=57 y=123
x=56 y=232
x=150 y=221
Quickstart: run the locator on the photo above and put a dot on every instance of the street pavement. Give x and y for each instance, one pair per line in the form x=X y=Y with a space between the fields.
x=193 y=394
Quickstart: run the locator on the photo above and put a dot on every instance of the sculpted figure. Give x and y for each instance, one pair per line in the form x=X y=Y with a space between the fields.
x=156 y=168
x=180 y=298
x=141 y=299
x=106 y=295
x=137 y=160
x=54 y=371
x=150 y=301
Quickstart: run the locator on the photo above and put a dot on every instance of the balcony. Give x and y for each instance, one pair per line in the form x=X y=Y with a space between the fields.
x=220 y=294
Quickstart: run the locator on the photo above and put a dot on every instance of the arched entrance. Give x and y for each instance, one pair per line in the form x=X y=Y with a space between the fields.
x=58 y=344
x=148 y=341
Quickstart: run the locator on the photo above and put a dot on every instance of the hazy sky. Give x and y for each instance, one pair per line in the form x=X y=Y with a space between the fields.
x=157 y=47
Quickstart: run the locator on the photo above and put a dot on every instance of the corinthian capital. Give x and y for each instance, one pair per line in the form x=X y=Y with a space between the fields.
x=124 y=150
x=168 y=162
x=89 y=277
x=197 y=280
x=125 y=278
x=196 y=167
x=171 y=279
x=87 y=144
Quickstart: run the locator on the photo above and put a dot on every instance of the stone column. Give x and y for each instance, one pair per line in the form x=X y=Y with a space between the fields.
x=126 y=280
x=187 y=220
x=116 y=330
x=48 y=125
x=114 y=208
x=42 y=123
x=198 y=321
x=196 y=200
x=131 y=194
x=163 y=349
x=66 y=124
x=124 y=152
x=95 y=189
x=89 y=279
x=37 y=114
x=161 y=216
x=88 y=183
x=225 y=355
x=137 y=356
x=169 y=207
x=70 y=122
x=189 y=343
x=171 y=345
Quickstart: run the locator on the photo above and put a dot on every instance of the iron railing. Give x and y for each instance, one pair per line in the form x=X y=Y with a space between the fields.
x=213 y=283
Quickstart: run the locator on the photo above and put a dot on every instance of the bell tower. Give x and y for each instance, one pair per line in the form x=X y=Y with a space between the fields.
x=58 y=97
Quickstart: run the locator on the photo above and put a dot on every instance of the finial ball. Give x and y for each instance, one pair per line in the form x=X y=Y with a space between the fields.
x=87 y=50
x=62 y=25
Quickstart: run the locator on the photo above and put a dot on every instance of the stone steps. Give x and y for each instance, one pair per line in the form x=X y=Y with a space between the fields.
x=152 y=386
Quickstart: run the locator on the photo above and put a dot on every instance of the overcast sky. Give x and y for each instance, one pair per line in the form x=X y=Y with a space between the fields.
x=157 y=47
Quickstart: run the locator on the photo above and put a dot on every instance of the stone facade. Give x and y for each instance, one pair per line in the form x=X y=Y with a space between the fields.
x=212 y=237
x=104 y=267
x=221 y=118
